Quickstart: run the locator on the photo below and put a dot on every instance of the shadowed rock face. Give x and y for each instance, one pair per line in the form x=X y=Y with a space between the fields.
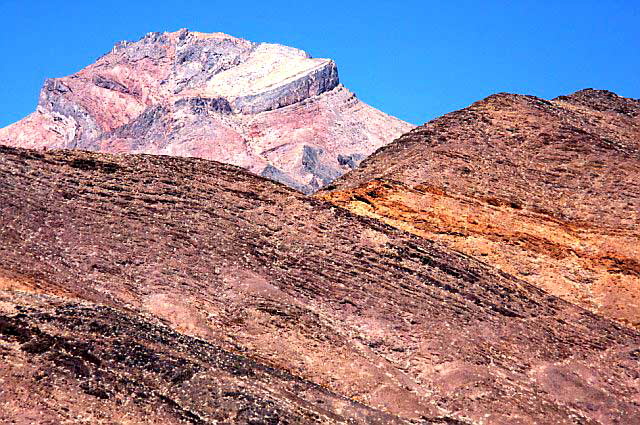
x=545 y=190
x=398 y=323
x=256 y=105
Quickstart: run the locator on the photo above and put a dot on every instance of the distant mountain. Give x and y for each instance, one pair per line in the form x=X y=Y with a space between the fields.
x=151 y=289
x=548 y=191
x=268 y=108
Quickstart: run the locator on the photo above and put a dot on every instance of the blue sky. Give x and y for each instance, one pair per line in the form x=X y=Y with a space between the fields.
x=413 y=59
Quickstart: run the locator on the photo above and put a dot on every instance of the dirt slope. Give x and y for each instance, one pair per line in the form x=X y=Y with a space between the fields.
x=71 y=362
x=371 y=313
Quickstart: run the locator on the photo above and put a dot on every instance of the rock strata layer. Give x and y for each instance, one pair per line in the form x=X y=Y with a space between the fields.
x=196 y=292
x=545 y=190
x=256 y=105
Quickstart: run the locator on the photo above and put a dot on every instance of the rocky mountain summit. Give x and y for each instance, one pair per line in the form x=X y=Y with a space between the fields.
x=160 y=289
x=545 y=190
x=268 y=108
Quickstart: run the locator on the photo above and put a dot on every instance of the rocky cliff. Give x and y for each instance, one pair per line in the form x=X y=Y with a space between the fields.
x=159 y=289
x=545 y=190
x=271 y=109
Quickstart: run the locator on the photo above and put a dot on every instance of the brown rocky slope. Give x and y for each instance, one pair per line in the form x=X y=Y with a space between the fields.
x=271 y=109
x=545 y=190
x=294 y=286
x=65 y=361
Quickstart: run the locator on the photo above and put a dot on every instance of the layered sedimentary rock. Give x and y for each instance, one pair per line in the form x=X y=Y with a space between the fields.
x=194 y=291
x=271 y=109
x=545 y=190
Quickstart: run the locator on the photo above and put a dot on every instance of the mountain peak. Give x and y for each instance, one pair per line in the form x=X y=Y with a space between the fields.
x=269 y=108
x=603 y=101
x=252 y=77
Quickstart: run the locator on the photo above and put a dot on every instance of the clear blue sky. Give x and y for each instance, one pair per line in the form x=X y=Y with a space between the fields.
x=413 y=59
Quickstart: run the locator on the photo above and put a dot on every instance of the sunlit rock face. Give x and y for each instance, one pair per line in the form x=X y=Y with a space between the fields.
x=269 y=108
x=544 y=190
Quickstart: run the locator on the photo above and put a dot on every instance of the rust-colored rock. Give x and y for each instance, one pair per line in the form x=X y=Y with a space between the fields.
x=294 y=286
x=545 y=190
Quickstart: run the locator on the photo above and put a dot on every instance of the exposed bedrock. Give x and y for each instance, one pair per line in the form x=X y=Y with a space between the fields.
x=214 y=96
x=320 y=80
x=203 y=105
x=56 y=100
x=197 y=59
x=152 y=46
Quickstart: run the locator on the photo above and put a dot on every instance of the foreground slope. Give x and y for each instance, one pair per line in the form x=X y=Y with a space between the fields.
x=545 y=190
x=71 y=362
x=377 y=315
x=271 y=109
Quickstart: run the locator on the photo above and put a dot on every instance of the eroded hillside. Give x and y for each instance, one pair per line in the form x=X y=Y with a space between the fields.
x=545 y=190
x=395 y=322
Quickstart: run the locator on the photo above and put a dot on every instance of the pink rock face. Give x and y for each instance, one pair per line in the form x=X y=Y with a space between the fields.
x=271 y=109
